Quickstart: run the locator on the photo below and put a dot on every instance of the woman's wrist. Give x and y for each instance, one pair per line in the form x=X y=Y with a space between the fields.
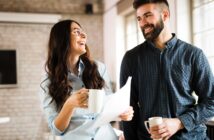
x=68 y=105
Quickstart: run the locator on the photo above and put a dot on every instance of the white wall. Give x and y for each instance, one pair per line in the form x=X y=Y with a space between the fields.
x=109 y=23
x=173 y=14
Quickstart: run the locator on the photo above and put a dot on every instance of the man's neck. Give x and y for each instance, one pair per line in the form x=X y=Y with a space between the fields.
x=164 y=37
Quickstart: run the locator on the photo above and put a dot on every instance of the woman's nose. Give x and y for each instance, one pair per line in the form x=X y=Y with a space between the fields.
x=83 y=35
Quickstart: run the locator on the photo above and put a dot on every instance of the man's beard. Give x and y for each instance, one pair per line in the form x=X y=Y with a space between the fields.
x=156 y=30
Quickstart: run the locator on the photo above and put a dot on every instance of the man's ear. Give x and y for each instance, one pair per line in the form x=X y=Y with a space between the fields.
x=165 y=15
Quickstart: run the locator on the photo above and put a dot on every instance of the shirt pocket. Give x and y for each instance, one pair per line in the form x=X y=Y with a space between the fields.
x=181 y=75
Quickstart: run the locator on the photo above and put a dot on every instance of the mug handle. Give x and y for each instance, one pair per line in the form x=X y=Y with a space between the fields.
x=146 y=125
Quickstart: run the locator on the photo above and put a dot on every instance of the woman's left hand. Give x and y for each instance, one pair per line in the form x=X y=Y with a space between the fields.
x=127 y=115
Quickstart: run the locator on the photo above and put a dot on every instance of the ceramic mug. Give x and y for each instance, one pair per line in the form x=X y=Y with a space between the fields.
x=153 y=121
x=96 y=100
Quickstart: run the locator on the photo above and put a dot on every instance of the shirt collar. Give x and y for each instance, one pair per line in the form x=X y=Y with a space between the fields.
x=81 y=67
x=169 y=43
x=172 y=41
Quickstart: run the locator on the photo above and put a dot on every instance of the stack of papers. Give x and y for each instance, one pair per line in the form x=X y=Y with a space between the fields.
x=115 y=105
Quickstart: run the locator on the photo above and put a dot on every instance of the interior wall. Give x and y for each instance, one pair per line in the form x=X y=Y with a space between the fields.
x=50 y=6
x=22 y=103
x=110 y=25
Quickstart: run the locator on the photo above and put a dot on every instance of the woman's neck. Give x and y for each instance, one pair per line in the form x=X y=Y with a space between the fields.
x=73 y=64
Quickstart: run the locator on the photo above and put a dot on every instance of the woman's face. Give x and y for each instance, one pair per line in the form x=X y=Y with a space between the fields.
x=78 y=40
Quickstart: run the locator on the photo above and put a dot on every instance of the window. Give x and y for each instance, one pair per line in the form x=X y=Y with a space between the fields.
x=203 y=27
x=133 y=34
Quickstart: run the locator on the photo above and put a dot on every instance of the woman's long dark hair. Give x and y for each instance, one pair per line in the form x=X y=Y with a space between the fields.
x=57 y=66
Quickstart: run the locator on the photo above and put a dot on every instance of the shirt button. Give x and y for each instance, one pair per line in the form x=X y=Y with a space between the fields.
x=92 y=138
x=92 y=118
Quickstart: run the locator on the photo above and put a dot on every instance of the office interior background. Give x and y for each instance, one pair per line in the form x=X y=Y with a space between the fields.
x=112 y=29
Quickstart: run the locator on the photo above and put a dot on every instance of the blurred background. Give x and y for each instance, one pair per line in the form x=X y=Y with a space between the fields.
x=112 y=29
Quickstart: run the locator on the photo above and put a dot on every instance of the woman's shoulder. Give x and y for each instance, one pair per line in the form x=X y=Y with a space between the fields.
x=45 y=81
x=101 y=66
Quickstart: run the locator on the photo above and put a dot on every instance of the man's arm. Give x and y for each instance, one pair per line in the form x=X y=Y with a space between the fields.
x=203 y=85
x=130 y=128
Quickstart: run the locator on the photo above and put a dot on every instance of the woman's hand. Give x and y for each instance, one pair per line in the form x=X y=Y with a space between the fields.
x=127 y=115
x=78 y=99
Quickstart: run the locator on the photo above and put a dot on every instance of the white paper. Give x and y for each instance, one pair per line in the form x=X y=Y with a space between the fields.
x=115 y=105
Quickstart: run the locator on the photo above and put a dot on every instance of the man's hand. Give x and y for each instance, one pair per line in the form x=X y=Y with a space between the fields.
x=165 y=130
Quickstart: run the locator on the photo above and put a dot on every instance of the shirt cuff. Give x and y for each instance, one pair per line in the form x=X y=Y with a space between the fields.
x=187 y=121
x=55 y=130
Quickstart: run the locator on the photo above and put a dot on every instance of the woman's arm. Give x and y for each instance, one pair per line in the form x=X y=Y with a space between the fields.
x=78 y=99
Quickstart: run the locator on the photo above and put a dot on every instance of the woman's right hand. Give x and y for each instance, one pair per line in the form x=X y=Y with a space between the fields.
x=79 y=98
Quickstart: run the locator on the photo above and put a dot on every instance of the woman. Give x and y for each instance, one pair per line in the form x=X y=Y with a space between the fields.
x=64 y=92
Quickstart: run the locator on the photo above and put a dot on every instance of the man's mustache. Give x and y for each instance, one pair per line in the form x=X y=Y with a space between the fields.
x=146 y=26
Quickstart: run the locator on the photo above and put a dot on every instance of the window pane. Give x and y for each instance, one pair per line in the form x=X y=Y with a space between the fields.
x=205 y=41
x=198 y=3
x=131 y=32
x=203 y=18
x=203 y=27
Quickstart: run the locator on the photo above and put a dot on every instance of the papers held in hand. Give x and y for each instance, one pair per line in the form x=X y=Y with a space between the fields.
x=114 y=105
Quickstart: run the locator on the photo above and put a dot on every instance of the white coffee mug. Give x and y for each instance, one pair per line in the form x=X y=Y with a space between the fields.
x=153 y=121
x=96 y=100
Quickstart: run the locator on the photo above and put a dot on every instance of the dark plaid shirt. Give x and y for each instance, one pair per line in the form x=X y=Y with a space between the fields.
x=162 y=85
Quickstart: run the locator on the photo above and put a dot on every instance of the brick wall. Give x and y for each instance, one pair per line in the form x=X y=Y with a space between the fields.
x=22 y=104
x=50 y=6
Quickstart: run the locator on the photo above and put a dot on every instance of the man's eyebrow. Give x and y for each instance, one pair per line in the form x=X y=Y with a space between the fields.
x=147 y=13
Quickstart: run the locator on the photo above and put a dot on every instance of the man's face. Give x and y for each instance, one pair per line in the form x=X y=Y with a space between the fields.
x=150 y=21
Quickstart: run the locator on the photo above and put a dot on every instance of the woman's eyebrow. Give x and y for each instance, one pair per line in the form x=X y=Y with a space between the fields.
x=76 y=28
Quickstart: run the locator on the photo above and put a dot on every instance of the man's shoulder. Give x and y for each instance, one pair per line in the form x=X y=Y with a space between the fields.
x=135 y=51
x=187 y=45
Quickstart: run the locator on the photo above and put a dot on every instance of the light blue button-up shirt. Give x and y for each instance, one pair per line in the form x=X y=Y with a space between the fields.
x=82 y=120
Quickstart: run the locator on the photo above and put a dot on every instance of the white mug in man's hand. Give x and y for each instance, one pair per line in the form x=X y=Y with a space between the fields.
x=96 y=100
x=153 y=121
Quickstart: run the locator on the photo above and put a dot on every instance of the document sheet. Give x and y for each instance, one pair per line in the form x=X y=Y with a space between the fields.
x=115 y=105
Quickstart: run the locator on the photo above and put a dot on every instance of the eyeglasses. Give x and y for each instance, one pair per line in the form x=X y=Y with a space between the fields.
x=78 y=32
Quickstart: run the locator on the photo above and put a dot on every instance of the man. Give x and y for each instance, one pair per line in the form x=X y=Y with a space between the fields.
x=165 y=72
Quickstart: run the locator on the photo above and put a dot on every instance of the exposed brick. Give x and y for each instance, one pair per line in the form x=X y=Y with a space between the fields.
x=50 y=6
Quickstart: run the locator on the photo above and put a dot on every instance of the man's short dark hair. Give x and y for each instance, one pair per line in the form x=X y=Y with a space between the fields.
x=138 y=3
